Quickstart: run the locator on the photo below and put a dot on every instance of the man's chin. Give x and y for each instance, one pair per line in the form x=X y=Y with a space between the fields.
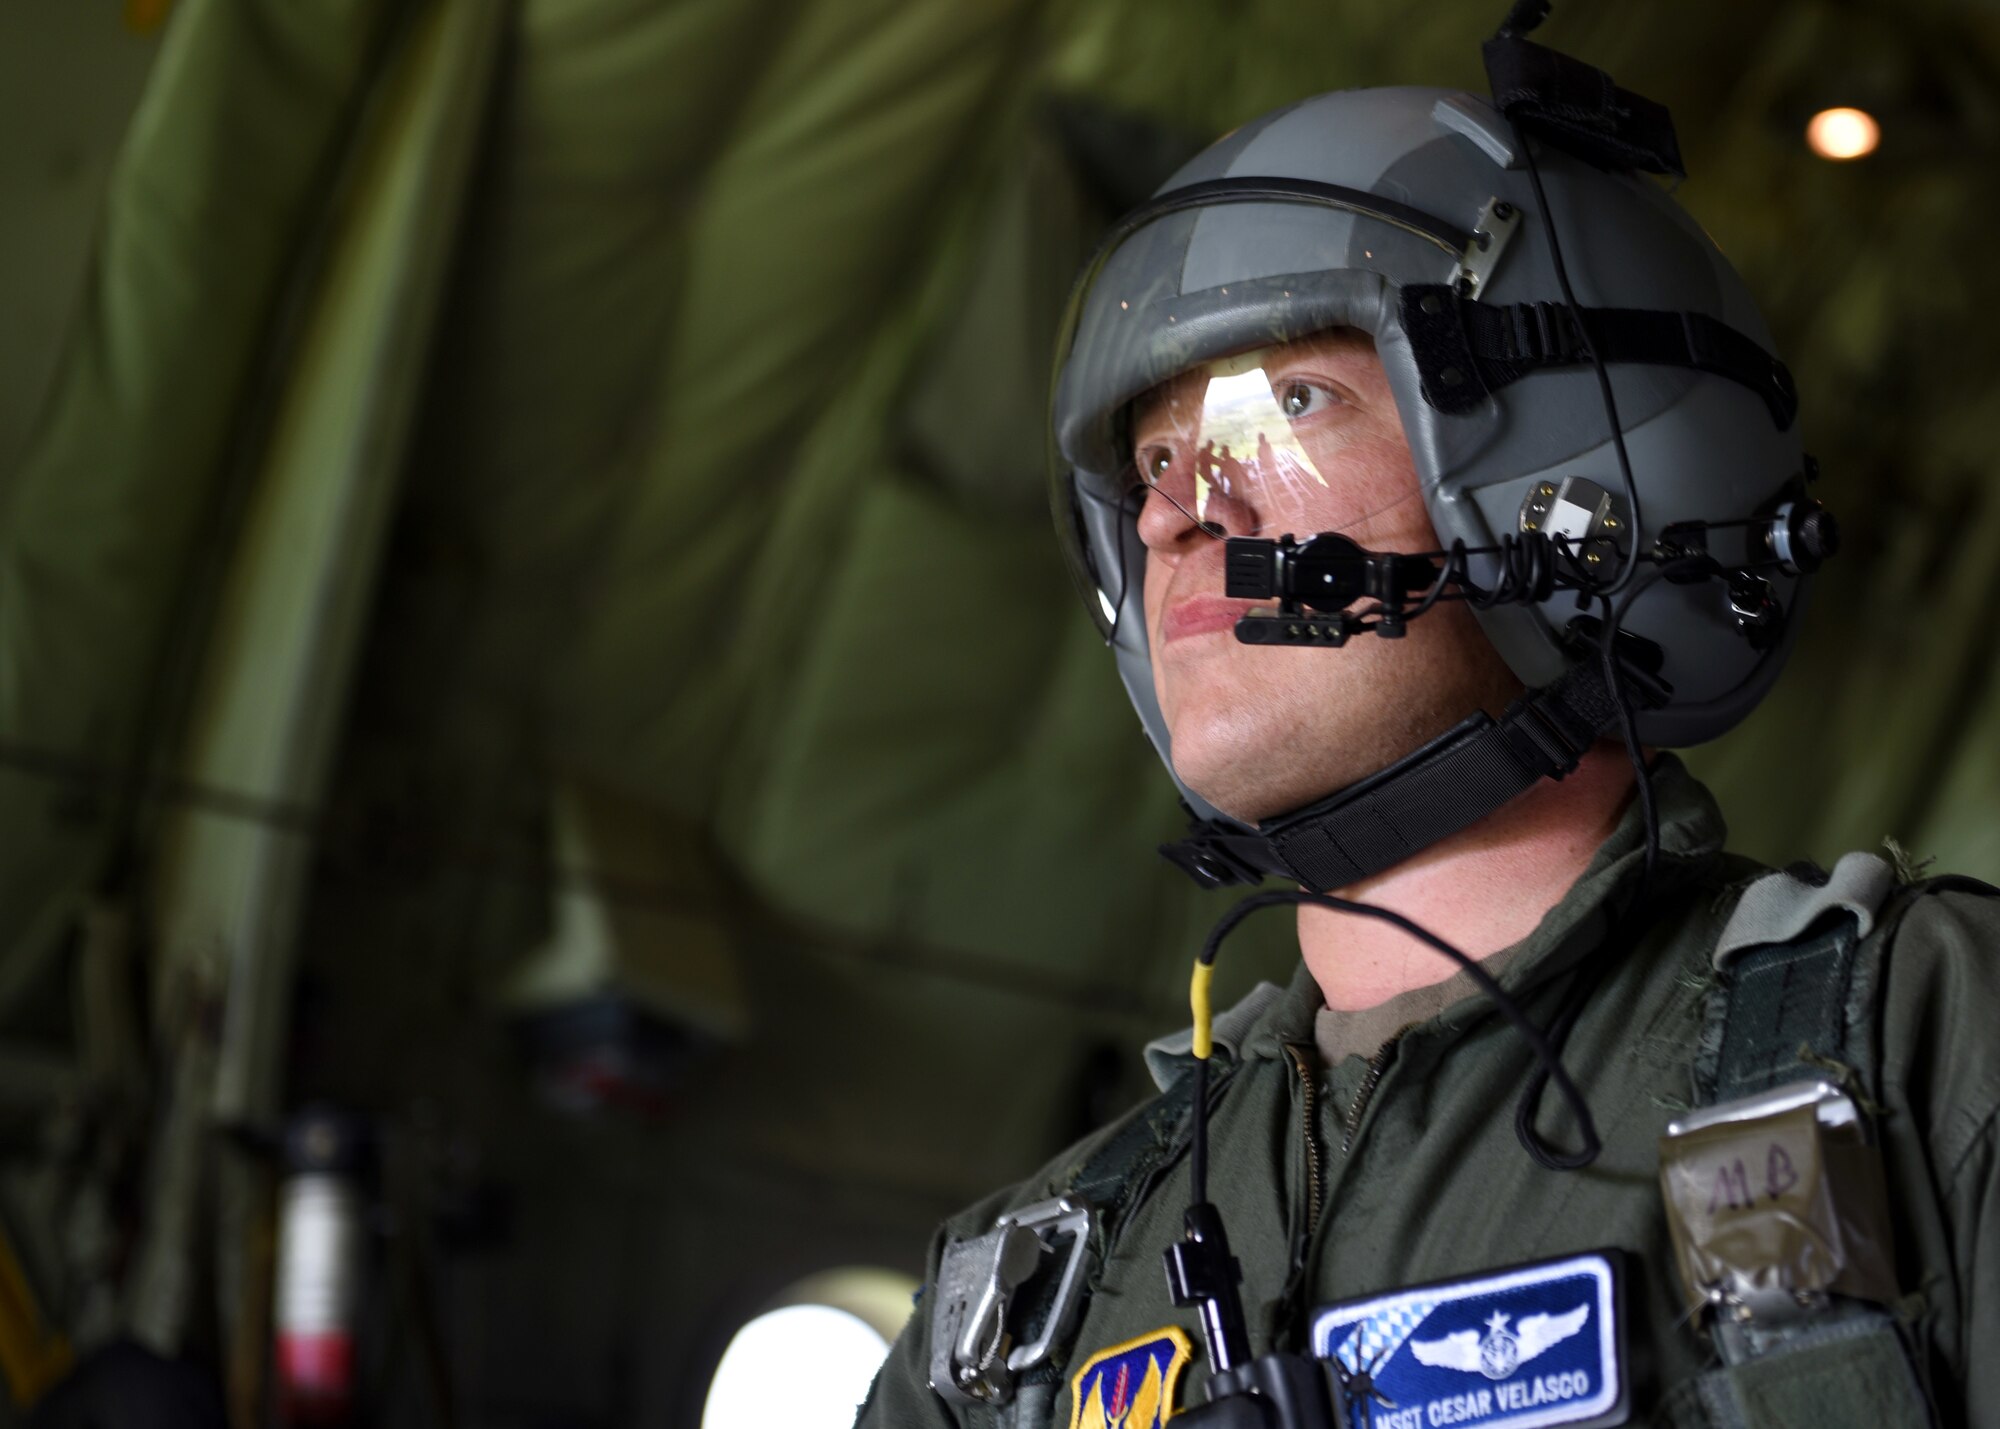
x=1252 y=788
x=1244 y=796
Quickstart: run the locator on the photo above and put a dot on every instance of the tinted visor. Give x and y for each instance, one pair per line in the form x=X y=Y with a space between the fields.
x=1255 y=445
x=1158 y=305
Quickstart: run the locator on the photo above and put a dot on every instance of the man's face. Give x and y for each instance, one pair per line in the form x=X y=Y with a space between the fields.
x=1296 y=439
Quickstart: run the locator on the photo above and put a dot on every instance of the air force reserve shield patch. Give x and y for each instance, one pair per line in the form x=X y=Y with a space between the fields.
x=1130 y=1386
x=1535 y=1345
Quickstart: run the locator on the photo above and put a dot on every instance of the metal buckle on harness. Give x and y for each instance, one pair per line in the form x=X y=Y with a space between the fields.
x=974 y=1357
x=1776 y=1203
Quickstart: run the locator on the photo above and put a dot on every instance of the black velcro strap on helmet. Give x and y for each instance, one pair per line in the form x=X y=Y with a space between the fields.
x=1467 y=350
x=1451 y=783
x=1579 y=108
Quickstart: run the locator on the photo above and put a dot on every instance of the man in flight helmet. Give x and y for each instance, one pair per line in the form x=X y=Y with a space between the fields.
x=1428 y=472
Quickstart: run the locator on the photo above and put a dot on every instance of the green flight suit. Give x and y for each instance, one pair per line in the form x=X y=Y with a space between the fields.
x=1387 y=1172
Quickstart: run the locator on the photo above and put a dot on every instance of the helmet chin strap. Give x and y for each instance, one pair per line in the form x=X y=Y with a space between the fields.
x=1448 y=785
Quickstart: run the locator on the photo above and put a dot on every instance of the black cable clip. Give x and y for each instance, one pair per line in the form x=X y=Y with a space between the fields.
x=1201 y=1272
x=1273 y=1391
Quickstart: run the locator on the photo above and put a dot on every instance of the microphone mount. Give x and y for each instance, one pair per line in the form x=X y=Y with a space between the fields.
x=1317 y=582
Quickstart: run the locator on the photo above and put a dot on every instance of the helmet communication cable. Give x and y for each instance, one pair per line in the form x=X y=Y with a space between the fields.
x=1628 y=568
x=1549 y=1065
x=1201 y=1271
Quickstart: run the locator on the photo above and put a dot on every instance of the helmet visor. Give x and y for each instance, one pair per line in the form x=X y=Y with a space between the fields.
x=1262 y=444
x=1208 y=269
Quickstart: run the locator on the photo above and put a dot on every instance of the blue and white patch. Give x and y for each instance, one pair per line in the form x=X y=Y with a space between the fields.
x=1520 y=1348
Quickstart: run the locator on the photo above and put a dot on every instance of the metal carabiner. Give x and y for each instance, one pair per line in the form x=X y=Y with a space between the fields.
x=974 y=1357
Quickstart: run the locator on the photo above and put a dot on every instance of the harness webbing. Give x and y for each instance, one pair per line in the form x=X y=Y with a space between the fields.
x=1782 y=1012
x=1112 y=1173
x=1785 y=999
x=1111 y=1179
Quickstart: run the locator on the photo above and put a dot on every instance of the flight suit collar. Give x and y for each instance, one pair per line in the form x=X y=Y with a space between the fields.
x=1691 y=838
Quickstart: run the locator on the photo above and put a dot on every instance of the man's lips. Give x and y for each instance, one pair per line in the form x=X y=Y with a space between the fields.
x=1201 y=614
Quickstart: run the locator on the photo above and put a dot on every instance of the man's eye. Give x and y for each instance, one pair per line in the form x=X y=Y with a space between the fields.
x=1302 y=399
x=1156 y=464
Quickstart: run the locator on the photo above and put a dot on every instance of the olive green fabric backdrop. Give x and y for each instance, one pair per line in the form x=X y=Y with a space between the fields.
x=722 y=502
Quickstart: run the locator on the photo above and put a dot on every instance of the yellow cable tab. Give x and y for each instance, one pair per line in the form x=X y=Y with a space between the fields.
x=1204 y=974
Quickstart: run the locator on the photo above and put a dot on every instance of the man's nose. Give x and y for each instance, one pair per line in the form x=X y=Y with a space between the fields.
x=1172 y=519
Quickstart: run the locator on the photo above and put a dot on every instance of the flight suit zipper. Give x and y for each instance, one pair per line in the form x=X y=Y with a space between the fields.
x=1372 y=1078
x=1287 y=1325
x=1309 y=1124
x=1318 y=1169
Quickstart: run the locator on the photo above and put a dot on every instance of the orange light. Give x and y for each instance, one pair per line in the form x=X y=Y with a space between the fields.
x=146 y=15
x=1843 y=133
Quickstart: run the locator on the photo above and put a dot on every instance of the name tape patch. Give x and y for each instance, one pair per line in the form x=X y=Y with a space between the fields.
x=1521 y=1348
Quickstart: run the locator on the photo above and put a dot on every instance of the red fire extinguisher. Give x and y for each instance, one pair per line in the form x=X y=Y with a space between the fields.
x=322 y=1227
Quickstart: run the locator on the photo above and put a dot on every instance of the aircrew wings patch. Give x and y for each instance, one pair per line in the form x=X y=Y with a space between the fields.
x=1130 y=1386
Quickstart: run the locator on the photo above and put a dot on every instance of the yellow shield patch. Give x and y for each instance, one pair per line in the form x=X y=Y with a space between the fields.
x=1130 y=1386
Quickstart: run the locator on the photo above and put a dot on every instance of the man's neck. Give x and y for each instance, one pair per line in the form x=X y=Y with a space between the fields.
x=1481 y=890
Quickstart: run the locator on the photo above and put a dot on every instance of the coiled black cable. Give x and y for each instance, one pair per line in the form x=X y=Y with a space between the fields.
x=1549 y=1064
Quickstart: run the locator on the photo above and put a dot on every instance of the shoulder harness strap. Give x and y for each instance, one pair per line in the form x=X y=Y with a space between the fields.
x=1105 y=1184
x=1791 y=991
x=1797 y=974
x=1111 y=1181
x=1796 y=980
x=1112 y=1175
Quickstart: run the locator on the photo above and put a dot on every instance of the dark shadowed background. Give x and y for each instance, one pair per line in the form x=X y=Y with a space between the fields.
x=527 y=612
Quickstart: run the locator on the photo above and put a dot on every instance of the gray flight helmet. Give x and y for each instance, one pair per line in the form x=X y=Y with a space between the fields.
x=1393 y=192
